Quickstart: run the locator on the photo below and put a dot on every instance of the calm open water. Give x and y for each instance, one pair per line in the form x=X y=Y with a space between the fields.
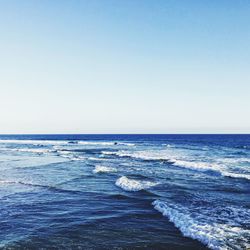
x=124 y=191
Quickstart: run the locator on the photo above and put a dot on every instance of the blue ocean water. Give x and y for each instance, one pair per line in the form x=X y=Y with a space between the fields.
x=124 y=191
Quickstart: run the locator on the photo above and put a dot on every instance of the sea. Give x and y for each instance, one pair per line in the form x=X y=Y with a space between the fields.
x=125 y=192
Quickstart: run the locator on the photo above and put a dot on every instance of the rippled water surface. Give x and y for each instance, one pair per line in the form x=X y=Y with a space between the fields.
x=125 y=191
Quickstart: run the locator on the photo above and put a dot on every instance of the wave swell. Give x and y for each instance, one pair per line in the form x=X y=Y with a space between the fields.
x=215 y=235
x=216 y=168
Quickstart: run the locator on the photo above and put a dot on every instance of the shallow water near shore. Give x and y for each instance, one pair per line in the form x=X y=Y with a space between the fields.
x=124 y=191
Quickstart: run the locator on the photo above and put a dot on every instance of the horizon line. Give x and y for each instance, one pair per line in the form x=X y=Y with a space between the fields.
x=124 y=134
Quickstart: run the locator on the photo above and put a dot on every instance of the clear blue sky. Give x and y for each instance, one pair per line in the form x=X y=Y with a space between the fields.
x=130 y=66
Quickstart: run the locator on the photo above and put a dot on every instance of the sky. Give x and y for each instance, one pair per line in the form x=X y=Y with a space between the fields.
x=124 y=66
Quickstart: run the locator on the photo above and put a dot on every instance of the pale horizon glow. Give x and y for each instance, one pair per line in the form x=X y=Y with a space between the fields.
x=131 y=66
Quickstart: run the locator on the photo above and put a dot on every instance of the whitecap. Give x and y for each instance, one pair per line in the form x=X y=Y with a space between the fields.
x=181 y=161
x=216 y=235
x=235 y=175
x=95 y=143
x=109 y=153
x=206 y=166
x=196 y=165
x=35 y=150
x=144 y=155
x=126 y=144
x=103 y=169
x=133 y=185
x=70 y=156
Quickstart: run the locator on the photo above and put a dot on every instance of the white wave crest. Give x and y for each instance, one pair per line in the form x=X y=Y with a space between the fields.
x=236 y=175
x=96 y=159
x=180 y=161
x=202 y=166
x=215 y=235
x=103 y=169
x=109 y=153
x=126 y=144
x=206 y=166
x=144 y=155
x=133 y=185
x=69 y=155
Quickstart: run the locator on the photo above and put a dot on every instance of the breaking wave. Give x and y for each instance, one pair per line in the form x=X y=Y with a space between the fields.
x=236 y=175
x=133 y=185
x=103 y=169
x=163 y=155
x=214 y=167
x=143 y=155
x=214 y=234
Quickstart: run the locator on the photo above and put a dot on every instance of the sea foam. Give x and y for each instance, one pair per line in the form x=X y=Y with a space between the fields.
x=143 y=155
x=182 y=161
x=196 y=165
x=103 y=169
x=208 y=166
x=216 y=235
x=128 y=184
